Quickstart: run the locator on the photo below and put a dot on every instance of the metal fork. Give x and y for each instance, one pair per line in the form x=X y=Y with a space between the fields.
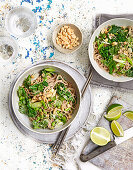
x=62 y=134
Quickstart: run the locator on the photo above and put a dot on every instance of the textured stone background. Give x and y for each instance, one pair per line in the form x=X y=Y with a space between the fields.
x=20 y=152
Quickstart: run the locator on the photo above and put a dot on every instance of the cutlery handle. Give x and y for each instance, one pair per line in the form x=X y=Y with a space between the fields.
x=97 y=151
x=58 y=143
x=87 y=82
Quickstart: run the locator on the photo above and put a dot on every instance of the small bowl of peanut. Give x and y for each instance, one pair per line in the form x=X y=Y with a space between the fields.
x=67 y=38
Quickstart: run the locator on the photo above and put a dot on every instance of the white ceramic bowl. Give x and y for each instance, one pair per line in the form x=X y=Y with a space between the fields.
x=77 y=33
x=102 y=72
x=35 y=69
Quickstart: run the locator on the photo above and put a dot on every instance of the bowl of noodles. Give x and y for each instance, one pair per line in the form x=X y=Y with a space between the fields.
x=45 y=99
x=111 y=50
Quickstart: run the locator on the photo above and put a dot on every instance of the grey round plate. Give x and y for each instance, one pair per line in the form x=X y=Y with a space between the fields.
x=80 y=119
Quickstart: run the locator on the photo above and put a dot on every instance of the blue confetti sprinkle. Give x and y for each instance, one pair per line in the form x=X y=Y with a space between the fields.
x=37 y=9
x=51 y=55
x=44 y=57
x=49 y=4
x=43 y=49
x=44 y=161
x=36 y=43
x=32 y=61
x=62 y=6
x=51 y=21
x=29 y=1
x=27 y=54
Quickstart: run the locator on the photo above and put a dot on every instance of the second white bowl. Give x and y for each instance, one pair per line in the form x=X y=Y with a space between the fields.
x=102 y=72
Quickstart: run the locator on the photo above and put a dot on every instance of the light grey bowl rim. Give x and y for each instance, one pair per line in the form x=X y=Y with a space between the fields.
x=20 y=74
x=69 y=51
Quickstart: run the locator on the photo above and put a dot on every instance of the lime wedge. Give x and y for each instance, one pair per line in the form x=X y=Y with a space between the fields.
x=100 y=136
x=116 y=128
x=113 y=115
x=129 y=114
x=114 y=108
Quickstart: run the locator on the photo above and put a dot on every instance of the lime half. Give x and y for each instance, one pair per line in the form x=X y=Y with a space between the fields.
x=100 y=136
x=129 y=115
x=114 y=108
x=116 y=128
x=113 y=115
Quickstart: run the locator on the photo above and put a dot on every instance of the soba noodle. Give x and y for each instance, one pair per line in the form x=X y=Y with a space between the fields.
x=49 y=100
x=113 y=50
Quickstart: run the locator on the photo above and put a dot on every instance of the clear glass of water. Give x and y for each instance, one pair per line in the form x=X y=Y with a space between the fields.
x=8 y=48
x=21 y=22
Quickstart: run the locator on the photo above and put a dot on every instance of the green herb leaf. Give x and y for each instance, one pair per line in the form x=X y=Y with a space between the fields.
x=27 y=82
x=50 y=69
x=38 y=87
x=129 y=60
x=129 y=73
x=36 y=104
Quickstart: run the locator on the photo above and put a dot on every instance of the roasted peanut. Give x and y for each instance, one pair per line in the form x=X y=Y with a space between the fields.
x=66 y=38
